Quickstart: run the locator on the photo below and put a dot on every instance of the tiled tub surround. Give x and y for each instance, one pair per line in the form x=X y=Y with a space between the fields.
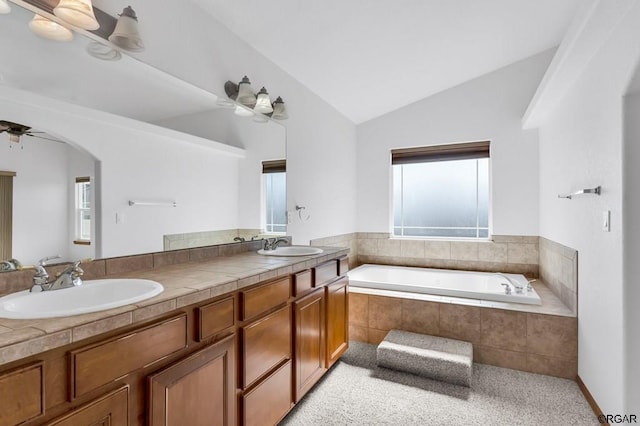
x=207 y=273
x=559 y=270
x=505 y=253
x=207 y=238
x=541 y=339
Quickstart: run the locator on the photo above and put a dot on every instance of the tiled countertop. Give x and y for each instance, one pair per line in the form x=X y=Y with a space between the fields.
x=184 y=284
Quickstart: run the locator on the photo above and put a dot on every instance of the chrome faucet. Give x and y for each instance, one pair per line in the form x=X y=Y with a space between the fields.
x=519 y=287
x=273 y=243
x=10 y=265
x=70 y=277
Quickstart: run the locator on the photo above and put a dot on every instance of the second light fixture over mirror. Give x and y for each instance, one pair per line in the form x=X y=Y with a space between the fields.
x=259 y=102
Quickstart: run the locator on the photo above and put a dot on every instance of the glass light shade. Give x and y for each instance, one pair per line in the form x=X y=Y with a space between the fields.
x=78 y=13
x=243 y=112
x=279 y=110
x=126 y=34
x=245 y=93
x=4 y=7
x=103 y=52
x=13 y=137
x=48 y=29
x=263 y=103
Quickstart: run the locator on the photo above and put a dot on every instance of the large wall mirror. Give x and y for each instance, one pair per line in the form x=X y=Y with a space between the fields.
x=122 y=158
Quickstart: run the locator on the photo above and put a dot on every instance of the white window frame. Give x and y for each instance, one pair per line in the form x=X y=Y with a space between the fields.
x=448 y=152
x=79 y=211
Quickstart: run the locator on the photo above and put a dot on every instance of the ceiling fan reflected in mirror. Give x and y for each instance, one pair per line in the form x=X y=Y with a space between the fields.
x=16 y=131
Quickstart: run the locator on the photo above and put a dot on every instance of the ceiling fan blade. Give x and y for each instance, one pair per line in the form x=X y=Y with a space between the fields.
x=42 y=137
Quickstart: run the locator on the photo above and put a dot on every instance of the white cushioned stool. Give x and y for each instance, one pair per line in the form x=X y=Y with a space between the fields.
x=434 y=357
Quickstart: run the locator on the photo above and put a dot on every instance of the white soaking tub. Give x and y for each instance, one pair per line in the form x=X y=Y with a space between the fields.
x=444 y=282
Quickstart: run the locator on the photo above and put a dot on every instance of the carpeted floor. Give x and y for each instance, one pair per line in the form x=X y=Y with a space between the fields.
x=357 y=392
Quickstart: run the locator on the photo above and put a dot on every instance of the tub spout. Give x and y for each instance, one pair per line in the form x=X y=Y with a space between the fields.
x=519 y=287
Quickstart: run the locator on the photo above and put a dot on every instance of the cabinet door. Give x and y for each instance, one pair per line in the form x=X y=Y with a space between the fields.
x=337 y=320
x=310 y=349
x=198 y=390
x=109 y=410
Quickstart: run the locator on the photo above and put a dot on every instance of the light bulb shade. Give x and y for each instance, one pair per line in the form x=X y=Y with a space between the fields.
x=4 y=7
x=78 y=13
x=263 y=103
x=13 y=137
x=126 y=34
x=279 y=110
x=243 y=112
x=48 y=29
x=245 y=93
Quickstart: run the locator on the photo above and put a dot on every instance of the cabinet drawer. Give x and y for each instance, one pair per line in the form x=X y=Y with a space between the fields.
x=22 y=394
x=343 y=266
x=325 y=272
x=215 y=317
x=265 y=344
x=101 y=363
x=260 y=299
x=110 y=410
x=302 y=282
x=270 y=401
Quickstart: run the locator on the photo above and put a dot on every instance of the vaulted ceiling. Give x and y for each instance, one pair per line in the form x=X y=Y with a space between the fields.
x=369 y=57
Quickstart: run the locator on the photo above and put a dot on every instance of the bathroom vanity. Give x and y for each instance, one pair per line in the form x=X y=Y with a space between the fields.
x=213 y=349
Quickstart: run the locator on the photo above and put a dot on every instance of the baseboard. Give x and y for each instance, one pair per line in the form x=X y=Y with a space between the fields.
x=592 y=402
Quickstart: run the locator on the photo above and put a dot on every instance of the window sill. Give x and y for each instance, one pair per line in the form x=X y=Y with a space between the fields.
x=82 y=242
x=451 y=239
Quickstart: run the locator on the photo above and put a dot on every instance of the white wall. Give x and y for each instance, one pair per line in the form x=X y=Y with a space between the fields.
x=487 y=108
x=137 y=162
x=581 y=145
x=631 y=241
x=321 y=143
x=40 y=225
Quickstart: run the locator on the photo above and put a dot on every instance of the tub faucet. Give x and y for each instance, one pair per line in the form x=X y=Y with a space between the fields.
x=239 y=239
x=519 y=287
x=70 y=277
x=273 y=243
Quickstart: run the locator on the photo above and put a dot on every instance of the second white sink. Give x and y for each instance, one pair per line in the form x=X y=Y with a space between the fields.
x=91 y=296
x=291 y=251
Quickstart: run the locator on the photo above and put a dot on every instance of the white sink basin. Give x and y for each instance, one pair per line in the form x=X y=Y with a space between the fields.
x=291 y=251
x=91 y=296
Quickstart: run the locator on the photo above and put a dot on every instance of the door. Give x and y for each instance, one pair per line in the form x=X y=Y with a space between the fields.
x=337 y=320
x=196 y=391
x=310 y=348
x=110 y=410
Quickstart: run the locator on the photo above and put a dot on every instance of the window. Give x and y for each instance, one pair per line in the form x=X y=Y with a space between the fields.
x=275 y=195
x=441 y=191
x=83 y=210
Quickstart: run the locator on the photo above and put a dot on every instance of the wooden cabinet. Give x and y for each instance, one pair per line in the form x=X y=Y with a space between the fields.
x=337 y=319
x=196 y=391
x=265 y=344
x=270 y=401
x=263 y=298
x=110 y=410
x=22 y=394
x=309 y=341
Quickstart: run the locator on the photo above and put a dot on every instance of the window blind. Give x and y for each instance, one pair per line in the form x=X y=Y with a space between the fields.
x=427 y=154
x=274 y=166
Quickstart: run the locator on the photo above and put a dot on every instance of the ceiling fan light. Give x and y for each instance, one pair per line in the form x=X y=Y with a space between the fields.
x=126 y=34
x=78 y=13
x=4 y=7
x=13 y=137
x=46 y=28
x=263 y=103
x=245 y=93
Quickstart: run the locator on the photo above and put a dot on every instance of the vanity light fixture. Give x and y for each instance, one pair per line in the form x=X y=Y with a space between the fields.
x=78 y=13
x=49 y=29
x=13 y=137
x=245 y=94
x=279 y=110
x=4 y=7
x=126 y=34
x=263 y=103
x=242 y=94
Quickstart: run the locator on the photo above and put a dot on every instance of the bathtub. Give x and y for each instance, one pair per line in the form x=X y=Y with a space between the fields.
x=444 y=282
